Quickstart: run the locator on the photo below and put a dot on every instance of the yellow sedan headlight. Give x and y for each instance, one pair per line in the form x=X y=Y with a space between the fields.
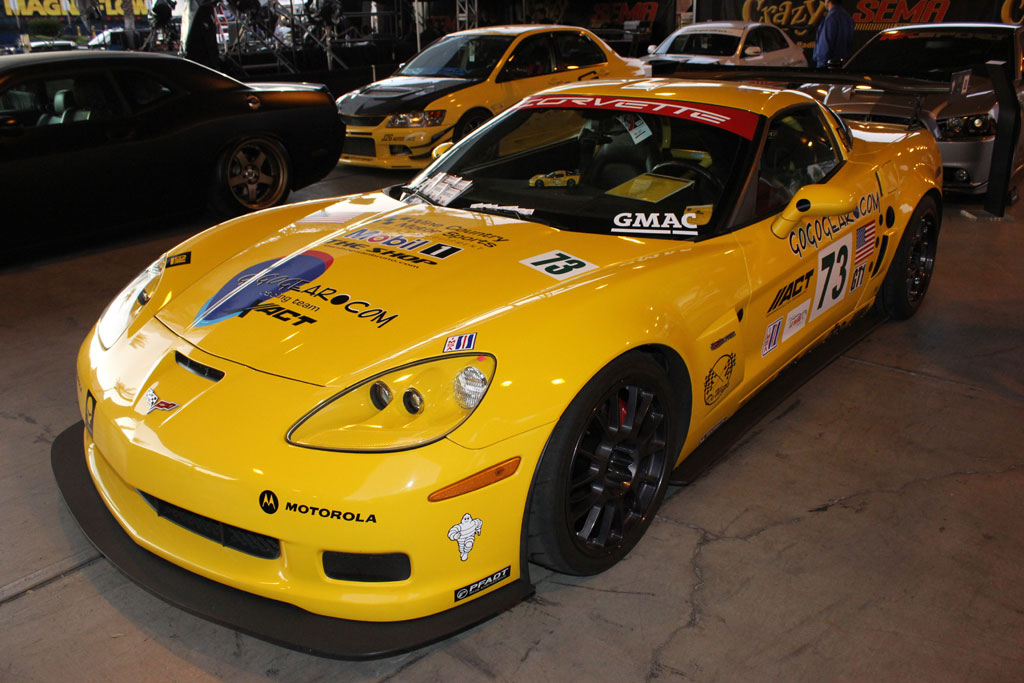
x=126 y=306
x=410 y=406
x=417 y=119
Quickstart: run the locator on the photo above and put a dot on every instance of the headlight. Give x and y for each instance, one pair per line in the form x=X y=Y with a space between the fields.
x=965 y=127
x=410 y=406
x=417 y=119
x=126 y=305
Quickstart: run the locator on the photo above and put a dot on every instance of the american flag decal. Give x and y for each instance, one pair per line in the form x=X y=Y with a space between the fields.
x=865 y=242
x=463 y=342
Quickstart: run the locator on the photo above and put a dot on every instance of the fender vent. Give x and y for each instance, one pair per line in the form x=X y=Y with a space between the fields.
x=881 y=255
x=198 y=368
x=248 y=542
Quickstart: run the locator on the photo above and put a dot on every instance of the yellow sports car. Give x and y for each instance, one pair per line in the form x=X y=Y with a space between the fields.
x=369 y=414
x=555 y=179
x=460 y=81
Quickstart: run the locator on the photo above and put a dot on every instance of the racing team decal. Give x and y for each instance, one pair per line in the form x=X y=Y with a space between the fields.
x=250 y=288
x=771 y=337
x=462 y=342
x=464 y=533
x=486 y=582
x=791 y=290
x=558 y=265
x=736 y=121
x=827 y=228
x=717 y=380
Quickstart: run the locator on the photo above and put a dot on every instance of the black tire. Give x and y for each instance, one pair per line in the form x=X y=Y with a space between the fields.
x=538 y=183
x=910 y=272
x=605 y=468
x=570 y=183
x=470 y=122
x=252 y=174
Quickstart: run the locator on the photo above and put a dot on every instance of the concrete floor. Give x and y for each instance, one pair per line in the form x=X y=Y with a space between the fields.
x=870 y=528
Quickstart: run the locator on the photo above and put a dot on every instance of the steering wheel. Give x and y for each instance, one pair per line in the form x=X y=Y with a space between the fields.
x=677 y=167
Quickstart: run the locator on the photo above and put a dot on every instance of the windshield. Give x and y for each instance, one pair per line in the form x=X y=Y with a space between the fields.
x=461 y=56
x=932 y=54
x=713 y=44
x=605 y=165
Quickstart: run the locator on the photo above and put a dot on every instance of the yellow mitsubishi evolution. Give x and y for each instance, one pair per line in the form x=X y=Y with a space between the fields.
x=461 y=80
x=350 y=425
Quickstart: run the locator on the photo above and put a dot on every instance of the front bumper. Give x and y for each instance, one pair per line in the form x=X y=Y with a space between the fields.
x=190 y=483
x=271 y=620
x=970 y=157
x=398 y=148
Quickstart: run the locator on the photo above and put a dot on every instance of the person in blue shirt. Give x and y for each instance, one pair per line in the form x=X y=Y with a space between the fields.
x=835 y=35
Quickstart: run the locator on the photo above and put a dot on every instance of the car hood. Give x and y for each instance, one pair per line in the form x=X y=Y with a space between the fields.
x=848 y=99
x=398 y=94
x=355 y=288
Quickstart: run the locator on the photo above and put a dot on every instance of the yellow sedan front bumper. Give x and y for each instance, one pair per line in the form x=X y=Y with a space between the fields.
x=379 y=146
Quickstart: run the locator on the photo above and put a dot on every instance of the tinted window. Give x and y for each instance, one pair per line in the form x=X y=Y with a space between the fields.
x=532 y=57
x=63 y=100
x=934 y=54
x=799 y=151
x=713 y=44
x=462 y=56
x=576 y=50
x=142 y=89
x=773 y=39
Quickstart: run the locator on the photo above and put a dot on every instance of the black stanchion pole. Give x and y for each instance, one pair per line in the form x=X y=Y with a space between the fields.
x=1007 y=129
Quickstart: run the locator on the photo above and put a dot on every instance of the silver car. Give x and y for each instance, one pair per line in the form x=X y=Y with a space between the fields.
x=734 y=43
x=963 y=119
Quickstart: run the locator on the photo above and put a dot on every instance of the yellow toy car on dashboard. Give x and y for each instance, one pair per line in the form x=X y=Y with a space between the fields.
x=460 y=81
x=555 y=179
x=349 y=425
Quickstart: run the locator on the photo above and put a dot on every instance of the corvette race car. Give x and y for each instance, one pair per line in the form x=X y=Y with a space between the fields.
x=370 y=413
x=461 y=80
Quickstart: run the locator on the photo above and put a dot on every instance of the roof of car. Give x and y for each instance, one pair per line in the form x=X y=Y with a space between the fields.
x=517 y=29
x=764 y=100
x=734 y=28
x=8 y=62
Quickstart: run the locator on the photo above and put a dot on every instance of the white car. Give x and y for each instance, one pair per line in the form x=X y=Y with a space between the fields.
x=739 y=43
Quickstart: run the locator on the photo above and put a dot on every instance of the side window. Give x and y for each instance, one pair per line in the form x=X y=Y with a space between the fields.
x=531 y=58
x=798 y=151
x=576 y=50
x=753 y=40
x=773 y=40
x=60 y=100
x=142 y=89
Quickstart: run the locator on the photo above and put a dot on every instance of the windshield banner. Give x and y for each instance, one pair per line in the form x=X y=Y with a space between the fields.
x=735 y=121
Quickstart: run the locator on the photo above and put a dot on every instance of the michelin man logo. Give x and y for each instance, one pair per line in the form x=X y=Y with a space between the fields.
x=464 y=533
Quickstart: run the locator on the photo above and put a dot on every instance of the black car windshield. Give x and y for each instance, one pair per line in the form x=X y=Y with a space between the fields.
x=934 y=54
x=711 y=44
x=459 y=56
x=605 y=165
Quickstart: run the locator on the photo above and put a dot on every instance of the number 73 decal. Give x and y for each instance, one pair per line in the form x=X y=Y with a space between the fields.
x=558 y=265
x=834 y=268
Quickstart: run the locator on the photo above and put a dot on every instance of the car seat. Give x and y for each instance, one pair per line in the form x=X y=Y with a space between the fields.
x=63 y=100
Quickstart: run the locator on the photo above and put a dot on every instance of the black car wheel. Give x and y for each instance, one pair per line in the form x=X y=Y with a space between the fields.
x=252 y=174
x=908 y=277
x=470 y=122
x=605 y=469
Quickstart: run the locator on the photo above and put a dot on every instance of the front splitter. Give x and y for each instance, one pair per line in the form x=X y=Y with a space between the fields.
x=276 y=622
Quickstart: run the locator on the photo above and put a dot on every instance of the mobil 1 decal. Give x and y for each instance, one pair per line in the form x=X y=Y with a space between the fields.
x=835 y=265
x=405 y=249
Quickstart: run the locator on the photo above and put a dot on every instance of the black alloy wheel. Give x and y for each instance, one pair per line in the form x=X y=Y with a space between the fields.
x=605 y=469
x=907 y=280
x=253 y=174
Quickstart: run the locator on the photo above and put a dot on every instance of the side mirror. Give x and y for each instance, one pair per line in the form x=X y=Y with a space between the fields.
x=651 y=49
x=9 y=127
x=441 y=150
x=752 y=51
x=812 y=200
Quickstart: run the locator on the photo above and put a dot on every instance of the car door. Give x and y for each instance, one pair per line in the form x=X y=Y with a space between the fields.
x=802 y=284
x=529 y=68
x=56 y=149
x=578 y=58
